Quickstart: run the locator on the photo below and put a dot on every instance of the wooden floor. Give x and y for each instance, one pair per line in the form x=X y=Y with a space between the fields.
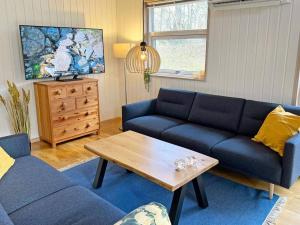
x=73 y=152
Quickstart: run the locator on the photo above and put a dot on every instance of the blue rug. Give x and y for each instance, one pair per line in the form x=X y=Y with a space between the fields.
x=229 y=203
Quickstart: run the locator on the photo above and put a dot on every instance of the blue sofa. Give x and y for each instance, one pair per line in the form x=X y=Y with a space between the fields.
x=33 y=193
x=218 y=126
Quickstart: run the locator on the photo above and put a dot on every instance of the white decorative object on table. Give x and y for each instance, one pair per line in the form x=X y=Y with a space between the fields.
x=188 y=162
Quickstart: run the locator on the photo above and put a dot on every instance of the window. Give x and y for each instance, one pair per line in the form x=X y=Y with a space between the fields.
x=179 y=33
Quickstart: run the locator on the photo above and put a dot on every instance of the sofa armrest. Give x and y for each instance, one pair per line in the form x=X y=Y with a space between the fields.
x=291 y=161
x=16 y=145
x=138 y=109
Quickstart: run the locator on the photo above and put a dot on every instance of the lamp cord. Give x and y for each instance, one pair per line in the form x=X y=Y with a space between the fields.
x=125 y=81
x=143 y=21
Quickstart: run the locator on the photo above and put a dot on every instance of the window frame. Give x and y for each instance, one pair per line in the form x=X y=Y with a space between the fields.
x=181 y=34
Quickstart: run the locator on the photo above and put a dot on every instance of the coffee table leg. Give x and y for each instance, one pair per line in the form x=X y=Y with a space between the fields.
x=100 y=173
x=177 y=203
x=200 y=192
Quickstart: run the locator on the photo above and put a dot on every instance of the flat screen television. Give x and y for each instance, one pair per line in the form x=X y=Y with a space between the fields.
x=61 y=51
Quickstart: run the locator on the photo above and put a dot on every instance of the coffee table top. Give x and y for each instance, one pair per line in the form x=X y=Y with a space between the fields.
x=150 y=158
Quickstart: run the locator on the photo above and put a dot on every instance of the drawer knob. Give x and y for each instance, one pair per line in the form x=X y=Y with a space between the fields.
x=65 y=118
x=73 y=90
x=89 y=88
x=58 y=92
x=88 y=125
x=63 y=106
x=86 y=101
x=76 y=128
x=65 y=131
x=88 y=113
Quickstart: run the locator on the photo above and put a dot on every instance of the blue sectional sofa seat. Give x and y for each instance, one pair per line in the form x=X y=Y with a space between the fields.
x=33 y=193
x=218 y=126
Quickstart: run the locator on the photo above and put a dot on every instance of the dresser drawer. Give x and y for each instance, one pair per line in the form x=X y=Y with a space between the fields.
x=63 y=105
x=87 y=101
x=65 y=132
x=76 y=116
x=74 y=90
x=57 y=93
x=90 y=88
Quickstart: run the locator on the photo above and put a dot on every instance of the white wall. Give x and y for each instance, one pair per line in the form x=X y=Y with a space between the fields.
x=252 y=53
x=78 y=13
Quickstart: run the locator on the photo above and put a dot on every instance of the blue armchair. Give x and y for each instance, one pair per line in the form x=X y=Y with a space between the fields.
x=31 y=191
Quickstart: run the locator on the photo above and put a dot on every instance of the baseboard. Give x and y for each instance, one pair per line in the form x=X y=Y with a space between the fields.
x=77 y=163
x=35 y=140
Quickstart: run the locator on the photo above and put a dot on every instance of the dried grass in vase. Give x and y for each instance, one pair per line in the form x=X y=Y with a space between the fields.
x=17 y=107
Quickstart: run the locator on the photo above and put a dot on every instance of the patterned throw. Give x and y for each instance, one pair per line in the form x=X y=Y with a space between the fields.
x=151 y=214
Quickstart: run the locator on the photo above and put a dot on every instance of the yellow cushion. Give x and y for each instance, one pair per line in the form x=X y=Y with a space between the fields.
x=6 y=162
x=277 y=128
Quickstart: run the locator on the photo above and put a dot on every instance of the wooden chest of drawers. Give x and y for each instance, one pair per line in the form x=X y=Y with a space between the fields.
x=67 y=110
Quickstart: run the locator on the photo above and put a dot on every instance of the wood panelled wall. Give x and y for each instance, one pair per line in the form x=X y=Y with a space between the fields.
x=78 y=13
x=252 y=53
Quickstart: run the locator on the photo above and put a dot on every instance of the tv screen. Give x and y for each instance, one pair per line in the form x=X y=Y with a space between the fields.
x=61 y=51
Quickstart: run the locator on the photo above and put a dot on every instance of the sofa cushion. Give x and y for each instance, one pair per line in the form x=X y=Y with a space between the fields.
x=174 y=103
x=217 y=111
x=72 y=206
x=243 y=154
x=152 y=125
x=196 y=137
x=29 y=180
x=255 y=113
x=4 y=218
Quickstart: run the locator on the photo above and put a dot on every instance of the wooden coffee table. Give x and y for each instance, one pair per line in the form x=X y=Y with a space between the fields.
x=154 y=160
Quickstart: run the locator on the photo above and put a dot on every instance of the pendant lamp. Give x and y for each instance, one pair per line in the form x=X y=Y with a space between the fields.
x=143 y=58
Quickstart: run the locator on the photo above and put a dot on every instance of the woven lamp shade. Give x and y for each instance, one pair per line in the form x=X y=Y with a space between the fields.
x=142 y=58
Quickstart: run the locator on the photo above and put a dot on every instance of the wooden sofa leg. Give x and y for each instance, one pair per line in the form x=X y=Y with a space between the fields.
x=271 y=191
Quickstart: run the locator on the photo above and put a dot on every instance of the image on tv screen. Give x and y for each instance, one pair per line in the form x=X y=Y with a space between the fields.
x=61 y=51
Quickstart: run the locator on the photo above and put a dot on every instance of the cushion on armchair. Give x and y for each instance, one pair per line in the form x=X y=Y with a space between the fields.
x=70 y=206
x=6 y=162
x=153 y=213
x=31 y=180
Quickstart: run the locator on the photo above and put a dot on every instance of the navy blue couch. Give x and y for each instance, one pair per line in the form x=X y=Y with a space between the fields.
x=33 y=193
x=218 y=126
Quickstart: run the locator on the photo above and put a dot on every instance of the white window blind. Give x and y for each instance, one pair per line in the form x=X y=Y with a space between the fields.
x=161 y=2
